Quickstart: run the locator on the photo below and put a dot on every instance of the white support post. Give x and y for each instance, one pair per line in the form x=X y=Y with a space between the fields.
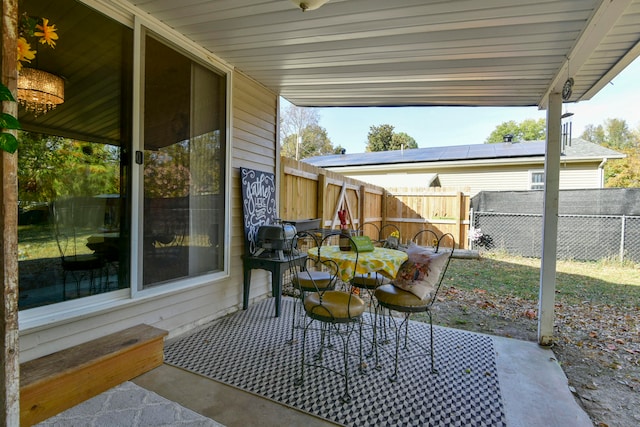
x=550 y=222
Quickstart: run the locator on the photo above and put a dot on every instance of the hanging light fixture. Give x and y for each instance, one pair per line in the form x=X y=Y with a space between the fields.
x=308 y=4
x=39 y=91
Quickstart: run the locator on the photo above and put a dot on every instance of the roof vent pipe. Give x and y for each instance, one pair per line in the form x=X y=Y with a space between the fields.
x=507 y=138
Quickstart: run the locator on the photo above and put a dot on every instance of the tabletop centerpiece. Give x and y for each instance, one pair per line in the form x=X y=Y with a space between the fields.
x=345 y=242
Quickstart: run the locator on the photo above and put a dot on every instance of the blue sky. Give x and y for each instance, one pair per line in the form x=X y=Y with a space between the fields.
x=440 y=126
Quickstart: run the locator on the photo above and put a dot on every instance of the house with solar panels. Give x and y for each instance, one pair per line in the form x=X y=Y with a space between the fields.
x=473 y=168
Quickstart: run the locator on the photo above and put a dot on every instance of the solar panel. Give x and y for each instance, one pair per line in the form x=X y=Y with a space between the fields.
x=433 y=154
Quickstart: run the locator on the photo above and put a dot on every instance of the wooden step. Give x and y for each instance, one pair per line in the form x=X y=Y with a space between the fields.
x=59 y=381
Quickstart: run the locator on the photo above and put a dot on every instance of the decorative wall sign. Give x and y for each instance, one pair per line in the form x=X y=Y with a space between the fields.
x=258 y=203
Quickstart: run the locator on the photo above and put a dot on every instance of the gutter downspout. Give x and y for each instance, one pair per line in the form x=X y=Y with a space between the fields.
x=601 y=171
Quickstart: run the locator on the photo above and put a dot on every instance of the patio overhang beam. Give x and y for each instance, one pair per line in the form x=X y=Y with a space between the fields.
x=601 y=23
x=627 y=59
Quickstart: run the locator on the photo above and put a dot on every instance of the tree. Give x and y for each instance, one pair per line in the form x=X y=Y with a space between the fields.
x=166 y=172
x=594 y=134
x=402 y=140
x=300 y=134
x=295 y=119
x=624 y=172
x=50 y=167
x=379 y=138
x=39 y=167
x=527 y=130
x=314 y=142
x=614 y=134
x=383 y=138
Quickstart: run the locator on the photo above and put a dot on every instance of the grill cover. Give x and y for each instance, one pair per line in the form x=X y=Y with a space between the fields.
x=277 y=237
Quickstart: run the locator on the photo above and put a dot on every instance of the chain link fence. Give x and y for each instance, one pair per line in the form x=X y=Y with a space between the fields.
x=580 y=237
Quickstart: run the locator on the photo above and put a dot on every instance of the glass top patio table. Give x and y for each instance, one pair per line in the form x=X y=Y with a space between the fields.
x=382 y=260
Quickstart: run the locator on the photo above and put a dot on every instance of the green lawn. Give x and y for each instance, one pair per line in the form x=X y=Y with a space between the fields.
x=38 y=241
x=603 y=282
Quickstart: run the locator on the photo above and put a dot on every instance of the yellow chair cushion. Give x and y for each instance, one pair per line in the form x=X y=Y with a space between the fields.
x=389 y=295
x=369 y=281
x=311 y=280
x=336 y=305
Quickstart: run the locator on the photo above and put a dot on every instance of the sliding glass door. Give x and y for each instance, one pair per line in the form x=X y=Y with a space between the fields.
x=184 y=166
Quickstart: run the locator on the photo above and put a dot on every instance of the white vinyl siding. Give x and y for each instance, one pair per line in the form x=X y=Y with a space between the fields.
x=400 y=180
x=254 y=146
x=490 y=179
x=473 y=179
x=579 y=176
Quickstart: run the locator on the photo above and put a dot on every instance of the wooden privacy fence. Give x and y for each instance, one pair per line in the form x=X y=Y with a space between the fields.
x=445 y=211
x=309 y=192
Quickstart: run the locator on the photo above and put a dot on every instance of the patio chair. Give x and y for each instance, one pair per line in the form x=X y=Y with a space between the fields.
x=385 y=237
x=415 y=288
x=338 y=311
x=370 y=229
x=381 y=236
x=73 y=219
x=426 y=237
x=314 y=277
x=367 y=283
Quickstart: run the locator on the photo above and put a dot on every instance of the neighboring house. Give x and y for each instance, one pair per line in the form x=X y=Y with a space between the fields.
x=474 y=168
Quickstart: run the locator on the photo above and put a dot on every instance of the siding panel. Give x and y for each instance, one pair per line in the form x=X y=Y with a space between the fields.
x=473 y=179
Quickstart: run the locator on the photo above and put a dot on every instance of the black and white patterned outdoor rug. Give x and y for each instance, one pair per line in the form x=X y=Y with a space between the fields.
x=251 y=350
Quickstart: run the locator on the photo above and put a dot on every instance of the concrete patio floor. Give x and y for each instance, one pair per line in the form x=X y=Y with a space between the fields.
x=534 y=390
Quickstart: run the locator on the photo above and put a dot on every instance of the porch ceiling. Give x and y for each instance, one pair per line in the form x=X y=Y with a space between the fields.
x=415 y=52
